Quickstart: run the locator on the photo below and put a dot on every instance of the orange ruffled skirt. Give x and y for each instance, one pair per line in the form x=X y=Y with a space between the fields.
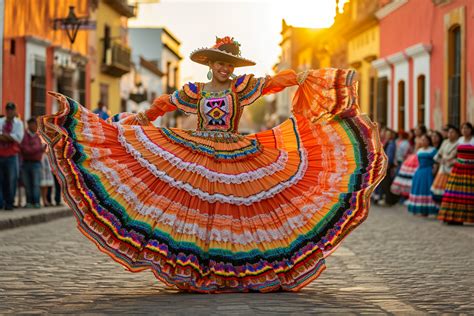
x=221 y=212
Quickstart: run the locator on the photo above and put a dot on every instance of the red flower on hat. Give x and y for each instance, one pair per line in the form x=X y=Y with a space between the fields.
x=225 y=40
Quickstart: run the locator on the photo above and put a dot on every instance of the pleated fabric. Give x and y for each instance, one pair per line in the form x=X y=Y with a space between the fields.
x=458 y=199
x=216 y=212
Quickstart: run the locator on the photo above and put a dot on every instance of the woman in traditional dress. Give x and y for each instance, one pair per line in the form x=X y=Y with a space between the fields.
x=420 y=201
x=457 y=206
x=401 y=185
x=210 y=210
x=445 y=158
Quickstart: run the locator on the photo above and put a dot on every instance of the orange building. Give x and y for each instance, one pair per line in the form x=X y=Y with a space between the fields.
x=38 y=58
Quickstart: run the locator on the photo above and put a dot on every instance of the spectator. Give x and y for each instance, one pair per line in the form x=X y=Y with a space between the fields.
x=390 y=150
x=420 y=201
x=101 y=110
x=402 y=183
x=32 y=152
x=457 y=205
x=436 y=139
x=47 y=180
x=445 y=157
x=11 y=135
x=403 y=149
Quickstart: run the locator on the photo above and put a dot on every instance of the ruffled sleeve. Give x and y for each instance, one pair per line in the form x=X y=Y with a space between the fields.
x=160 y=106
x=186 y=99
x=248 y=88
x=326 y=92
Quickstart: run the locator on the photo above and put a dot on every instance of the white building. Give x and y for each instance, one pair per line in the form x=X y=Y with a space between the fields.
x=156 y=58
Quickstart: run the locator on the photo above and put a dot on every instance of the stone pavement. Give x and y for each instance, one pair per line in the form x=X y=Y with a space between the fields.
x=23 y=216
x=394 y=263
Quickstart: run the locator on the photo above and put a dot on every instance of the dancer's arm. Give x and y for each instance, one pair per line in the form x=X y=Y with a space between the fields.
x=160 y=106
x=184 y=100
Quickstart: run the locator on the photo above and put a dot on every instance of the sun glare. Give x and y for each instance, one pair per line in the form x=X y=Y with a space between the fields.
x=307 y=13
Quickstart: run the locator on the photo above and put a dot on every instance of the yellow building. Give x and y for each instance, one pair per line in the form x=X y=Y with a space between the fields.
x=109 y=51
x=363 y=47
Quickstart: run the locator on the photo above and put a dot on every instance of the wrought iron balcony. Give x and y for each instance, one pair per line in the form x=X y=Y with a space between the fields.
x=117 y=61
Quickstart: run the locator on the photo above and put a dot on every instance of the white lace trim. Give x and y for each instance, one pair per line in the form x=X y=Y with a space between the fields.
x=86 y=132
x=210 y=175
x=312 y=204
x=217 y=197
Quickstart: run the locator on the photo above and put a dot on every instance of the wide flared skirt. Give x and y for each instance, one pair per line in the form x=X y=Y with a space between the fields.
x=458 y=199
x=439 y=185
x=420 y=200
x=216 y=213
x=401 y=185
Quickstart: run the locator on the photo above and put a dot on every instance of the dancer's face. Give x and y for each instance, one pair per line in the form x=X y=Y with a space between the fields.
x=221 y=70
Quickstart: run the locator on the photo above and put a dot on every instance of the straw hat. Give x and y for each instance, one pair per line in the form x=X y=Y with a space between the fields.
x=226 y=49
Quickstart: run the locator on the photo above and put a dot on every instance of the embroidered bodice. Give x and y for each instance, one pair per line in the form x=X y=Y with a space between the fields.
x=218 y=111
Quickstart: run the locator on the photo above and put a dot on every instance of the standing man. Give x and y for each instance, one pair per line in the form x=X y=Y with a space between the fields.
x=32 y=151
x=11 y=135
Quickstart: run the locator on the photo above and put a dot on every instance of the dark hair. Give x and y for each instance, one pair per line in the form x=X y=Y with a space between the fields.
x=422 y=128
x=440 y=138
x=428 y=138
x=454 y=128
x=403 y=135
x=469 y=125
x=31 y=120
x=10 y=105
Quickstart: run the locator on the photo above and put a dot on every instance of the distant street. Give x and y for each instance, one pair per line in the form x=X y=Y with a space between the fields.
x=394 y=263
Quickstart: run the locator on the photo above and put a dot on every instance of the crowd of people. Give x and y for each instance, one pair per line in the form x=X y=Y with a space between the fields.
x=24 y=165
x=431 y=172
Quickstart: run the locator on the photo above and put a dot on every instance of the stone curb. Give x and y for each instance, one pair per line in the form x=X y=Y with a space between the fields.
x=34 y=218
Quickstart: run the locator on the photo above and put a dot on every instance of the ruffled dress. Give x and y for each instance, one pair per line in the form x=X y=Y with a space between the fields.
x=401 y=185
x=210 y=210
x=420 y=200
x=458 y=199
x=445 y=157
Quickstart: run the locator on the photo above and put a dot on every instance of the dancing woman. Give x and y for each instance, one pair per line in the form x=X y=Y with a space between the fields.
x=210 y=210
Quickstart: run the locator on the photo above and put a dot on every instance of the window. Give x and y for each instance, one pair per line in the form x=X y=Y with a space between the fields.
x=454 y=76
x=401 y=105
x=81 y=86
x=65 y=82
x=382 y=100
x=107 y=42
x=12 y=46
x=104 y=94
x=38 y=89
x=372 y=97
x=421 y=102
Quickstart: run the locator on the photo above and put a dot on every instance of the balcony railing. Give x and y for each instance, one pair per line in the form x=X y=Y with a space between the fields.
x=117 y=61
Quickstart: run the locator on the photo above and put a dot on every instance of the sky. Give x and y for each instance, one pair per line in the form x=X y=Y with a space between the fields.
x=255 y=24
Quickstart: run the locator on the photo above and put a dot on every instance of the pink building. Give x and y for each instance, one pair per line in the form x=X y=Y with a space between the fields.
x=426 y=64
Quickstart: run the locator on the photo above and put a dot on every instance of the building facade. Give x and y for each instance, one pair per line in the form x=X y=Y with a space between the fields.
x=426 y=75
x=363 y=38
x=156 y=51
x=37 y=58
x=109 y=51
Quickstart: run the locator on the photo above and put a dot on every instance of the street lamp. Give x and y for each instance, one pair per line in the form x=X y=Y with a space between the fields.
x=71 y=24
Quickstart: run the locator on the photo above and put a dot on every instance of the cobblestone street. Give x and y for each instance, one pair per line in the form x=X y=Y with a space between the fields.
x=394 y=263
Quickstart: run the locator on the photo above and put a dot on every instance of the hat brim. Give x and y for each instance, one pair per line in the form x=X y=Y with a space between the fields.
x=204 y=55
